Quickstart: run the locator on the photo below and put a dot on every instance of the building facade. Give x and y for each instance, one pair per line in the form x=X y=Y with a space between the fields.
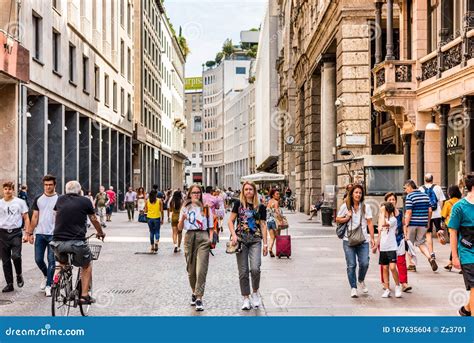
x=75 y=116
x=193 y=138
x=428 y=88
x=325 y=67
x=238 y=112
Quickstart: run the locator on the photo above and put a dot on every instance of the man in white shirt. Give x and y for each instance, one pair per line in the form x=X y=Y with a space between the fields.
x=435 y=222
x=13 y=213
x=42 y=224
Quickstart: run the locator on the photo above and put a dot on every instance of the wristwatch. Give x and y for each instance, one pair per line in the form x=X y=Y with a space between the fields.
x=265 y=245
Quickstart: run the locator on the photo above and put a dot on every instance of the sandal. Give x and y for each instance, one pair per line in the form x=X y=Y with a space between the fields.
x=272 y=254
x=86 y=300
x=412 y=268
x=448 y=267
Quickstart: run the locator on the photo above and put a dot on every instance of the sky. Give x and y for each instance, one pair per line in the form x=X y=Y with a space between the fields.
x=206 y=24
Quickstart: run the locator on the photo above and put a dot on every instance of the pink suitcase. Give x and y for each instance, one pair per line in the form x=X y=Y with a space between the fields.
x=283 y=246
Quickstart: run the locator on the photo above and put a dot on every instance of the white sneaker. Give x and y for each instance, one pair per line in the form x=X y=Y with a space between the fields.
x=386 y=293
x=363 y=287
x=256 y=300
x=43 y=283
x=354 y=293
x=398 y=291
x=246 y=305
x=47 y=291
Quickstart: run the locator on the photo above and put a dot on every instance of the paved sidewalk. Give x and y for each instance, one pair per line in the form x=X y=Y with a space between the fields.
x=312 y=282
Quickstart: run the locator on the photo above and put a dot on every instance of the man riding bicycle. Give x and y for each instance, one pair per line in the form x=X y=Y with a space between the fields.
x=69 y=236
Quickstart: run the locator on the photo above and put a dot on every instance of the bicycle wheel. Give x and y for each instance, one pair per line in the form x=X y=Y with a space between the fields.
x=84 y=308
x=61 y=300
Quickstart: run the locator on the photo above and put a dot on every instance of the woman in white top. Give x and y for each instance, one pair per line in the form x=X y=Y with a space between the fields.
x=354 y=212
x=196 y=219
x=387 y=240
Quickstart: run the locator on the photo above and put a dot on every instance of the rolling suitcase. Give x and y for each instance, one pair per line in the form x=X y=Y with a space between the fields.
x=283 y=245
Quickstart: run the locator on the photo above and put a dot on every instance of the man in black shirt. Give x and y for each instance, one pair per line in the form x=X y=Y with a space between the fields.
x=70 y=231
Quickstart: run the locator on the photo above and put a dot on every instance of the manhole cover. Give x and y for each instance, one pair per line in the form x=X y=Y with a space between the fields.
x=121 y=291
x=5 y=302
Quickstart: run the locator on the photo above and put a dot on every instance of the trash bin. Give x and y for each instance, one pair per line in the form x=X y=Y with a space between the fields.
x=326 y=216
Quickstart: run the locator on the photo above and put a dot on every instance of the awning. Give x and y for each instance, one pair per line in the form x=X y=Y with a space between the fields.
x=263 y=177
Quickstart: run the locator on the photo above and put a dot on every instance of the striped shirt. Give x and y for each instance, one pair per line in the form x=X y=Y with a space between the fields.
x=419 y=203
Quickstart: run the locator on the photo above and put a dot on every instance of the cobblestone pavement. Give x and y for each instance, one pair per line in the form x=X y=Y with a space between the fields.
x=312 y=282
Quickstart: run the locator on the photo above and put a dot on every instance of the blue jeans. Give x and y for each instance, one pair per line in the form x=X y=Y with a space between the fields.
x=154 y=226
x=41 y=244
x=361 y=252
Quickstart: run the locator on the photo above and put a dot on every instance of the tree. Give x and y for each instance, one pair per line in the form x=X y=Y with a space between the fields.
x=219 y=57
x=210 y=64
x=183 y=43
x=252 y=52
x=228 y=48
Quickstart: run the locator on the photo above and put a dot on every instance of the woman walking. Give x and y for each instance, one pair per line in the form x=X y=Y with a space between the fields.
x=154 y=213
x=273 y=215
x=454 y=194
x=175 y=209
x=250 y=230
x=196 y=219
x=358 y=216
x=141 y=199
x=401 y=250
x=387 y=239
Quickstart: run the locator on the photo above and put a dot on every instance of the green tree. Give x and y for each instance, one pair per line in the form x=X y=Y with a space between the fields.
x=228 y=48
x=210 y=64
x=183 y=43
x=219 y=57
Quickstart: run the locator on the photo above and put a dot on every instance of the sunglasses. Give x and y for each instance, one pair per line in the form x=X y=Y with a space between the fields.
x=195 y=193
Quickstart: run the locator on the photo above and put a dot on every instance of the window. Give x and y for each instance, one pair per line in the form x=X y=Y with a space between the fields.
x=56 y=49
x=241 y=70
x=129 y=65
x=37 y=35
x=56 y=4
x=197 y=124
x=106 y=90
x=122 y=12
x=72 y=63
x=96 y=82
x=129 y=107
x=85 y=74
x=114 y=96
x=122 y=57
x=122 y=102
x=129 y=19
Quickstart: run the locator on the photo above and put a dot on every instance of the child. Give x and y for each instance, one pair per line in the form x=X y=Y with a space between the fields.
x=388 y=248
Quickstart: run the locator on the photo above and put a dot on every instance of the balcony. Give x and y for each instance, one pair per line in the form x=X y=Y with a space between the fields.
x=394 y=87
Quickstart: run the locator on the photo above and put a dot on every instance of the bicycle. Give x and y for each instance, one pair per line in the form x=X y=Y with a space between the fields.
x=63 y=295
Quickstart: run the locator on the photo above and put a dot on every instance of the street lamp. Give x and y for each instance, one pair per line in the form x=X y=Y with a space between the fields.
x=432 y=126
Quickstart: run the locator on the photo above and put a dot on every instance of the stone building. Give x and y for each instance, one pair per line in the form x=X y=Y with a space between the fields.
x=429 y=88
x=75 y=116
x=324 y=65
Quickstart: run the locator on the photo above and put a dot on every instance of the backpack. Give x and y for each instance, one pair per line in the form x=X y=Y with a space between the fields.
x=429 y=191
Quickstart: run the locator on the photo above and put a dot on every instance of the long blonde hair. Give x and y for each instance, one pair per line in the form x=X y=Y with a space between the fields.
x=255 y=200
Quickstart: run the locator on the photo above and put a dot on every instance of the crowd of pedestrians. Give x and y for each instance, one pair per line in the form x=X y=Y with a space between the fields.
x=399 y=233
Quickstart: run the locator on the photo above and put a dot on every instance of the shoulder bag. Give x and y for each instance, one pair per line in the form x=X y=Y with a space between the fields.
x=356 y=236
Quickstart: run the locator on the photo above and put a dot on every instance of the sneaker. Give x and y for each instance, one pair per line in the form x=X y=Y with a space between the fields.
x=19 y=281
x=256 y=300
x=193 y=300
x=246 y=305
x=354 y=293
x=199 y=306
x=398 y=291
x=433 y=256
x=386 y=293
x=406 y=288
x=47 y=291
x=434 y=265
x=175 y=250
x=8 y=288
x=43 y=283
x=363 y=287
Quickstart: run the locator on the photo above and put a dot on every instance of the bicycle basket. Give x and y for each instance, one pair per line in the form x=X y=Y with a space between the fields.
x=95 y=250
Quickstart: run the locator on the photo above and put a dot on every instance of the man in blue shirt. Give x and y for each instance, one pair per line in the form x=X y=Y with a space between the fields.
x=417 y=217
x=461 y=230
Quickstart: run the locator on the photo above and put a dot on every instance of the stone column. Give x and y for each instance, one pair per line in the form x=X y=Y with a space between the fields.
x=114 y=162
x=36 y=143
x=123 y=185
x=328 y=123
x=390 y=55
x=406 y=157
x=85 y=152
x=443 y=138
x=55 y=161
x=378 y=33
x=128 y=160
x=420 y=156
x=468 y=105
x=105 y=160
x=96 y=168
x=71 y=141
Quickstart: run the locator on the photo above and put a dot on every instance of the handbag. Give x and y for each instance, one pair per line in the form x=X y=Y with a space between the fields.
x=231 y=248
x=282 y=224
x=142 y=218
x=341 y=229
x=356 y=236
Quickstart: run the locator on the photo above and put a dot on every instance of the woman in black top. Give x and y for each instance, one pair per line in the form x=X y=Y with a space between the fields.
x=250 y=230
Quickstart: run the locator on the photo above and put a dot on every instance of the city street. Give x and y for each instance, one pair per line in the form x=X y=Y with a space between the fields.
x=312 y=282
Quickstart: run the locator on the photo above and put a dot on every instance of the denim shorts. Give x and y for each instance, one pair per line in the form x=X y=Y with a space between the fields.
x=271 y=225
